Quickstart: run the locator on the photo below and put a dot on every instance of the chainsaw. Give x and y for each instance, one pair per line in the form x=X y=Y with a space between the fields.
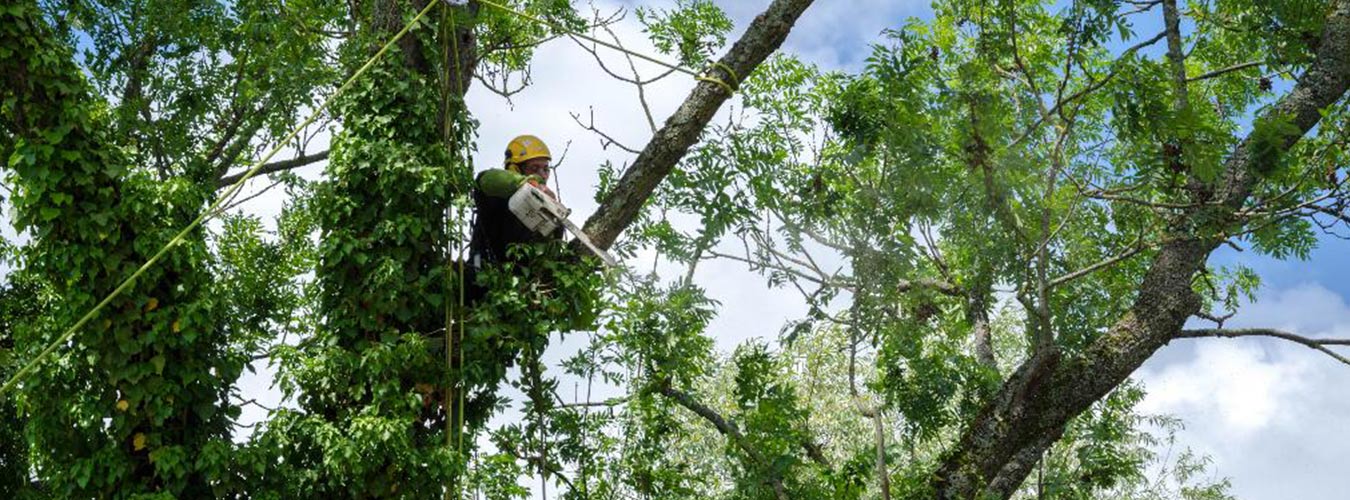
x=543 y=214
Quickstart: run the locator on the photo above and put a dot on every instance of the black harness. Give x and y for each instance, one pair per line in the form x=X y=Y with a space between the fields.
x=495 y=229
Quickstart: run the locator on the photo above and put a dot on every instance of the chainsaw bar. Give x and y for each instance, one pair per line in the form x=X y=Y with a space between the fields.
x=576 y=231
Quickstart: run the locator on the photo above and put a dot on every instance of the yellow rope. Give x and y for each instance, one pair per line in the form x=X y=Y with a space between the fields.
x=229 y=194
x=705 y=77
x=456 y=438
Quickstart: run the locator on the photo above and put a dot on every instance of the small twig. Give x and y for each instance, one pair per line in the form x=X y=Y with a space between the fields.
x=505 y=90
x=254 y=402
x=605 y=139
x=1219 y=320
x=1140 y=7
x=641 y=86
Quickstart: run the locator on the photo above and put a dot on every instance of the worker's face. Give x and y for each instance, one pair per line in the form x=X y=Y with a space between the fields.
x=537 y=166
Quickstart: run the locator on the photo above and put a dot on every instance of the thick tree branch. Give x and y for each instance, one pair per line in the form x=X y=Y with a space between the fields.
x=1176 y=54
x=277 y=166
x=621 y=206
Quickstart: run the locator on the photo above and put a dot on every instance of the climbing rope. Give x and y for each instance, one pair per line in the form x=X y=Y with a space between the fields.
x=454 y=436
x=705 y=76
x=201 y=218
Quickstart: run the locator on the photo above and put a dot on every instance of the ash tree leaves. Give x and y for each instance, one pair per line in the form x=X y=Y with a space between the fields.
x=661 y=330
x=775 y=426
x=1011 y=167
x=692 y=30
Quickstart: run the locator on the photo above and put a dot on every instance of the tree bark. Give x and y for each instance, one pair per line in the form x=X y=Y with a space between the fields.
x=1031 y=410
x=765 y=34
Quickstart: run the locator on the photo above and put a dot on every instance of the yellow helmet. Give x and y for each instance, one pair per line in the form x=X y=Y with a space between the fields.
x=524 y=148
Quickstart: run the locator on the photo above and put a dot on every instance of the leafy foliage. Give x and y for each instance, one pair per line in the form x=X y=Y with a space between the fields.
x=988 y=188
x=139 y=405
x=692 y=30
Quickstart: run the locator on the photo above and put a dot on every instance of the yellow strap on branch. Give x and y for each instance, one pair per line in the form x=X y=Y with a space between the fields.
x=229 y=194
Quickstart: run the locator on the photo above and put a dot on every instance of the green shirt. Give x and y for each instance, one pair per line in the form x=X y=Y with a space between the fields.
x=501 y=183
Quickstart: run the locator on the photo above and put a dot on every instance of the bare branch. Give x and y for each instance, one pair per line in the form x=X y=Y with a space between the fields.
x=504 y=88
x=605 y=139
x=641 y=86
x=1218 y=320
x=254 y=402
x=1129 y=252
x=273 y=167
x=1338 y=214
x=727 y=429
x=1318 y=344
x=1141 y=7
x=1224 y=71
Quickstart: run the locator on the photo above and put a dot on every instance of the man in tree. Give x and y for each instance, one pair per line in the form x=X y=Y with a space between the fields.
x=495 y=228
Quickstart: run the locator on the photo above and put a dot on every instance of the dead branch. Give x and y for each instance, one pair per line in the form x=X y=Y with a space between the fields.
x=277 y=166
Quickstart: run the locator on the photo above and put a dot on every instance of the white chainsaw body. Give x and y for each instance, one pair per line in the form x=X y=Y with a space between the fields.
x=537 y=210
x=542 y=214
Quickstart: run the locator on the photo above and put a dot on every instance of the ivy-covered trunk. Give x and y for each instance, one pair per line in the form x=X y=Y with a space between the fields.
x=137 y=403
x=371 y=423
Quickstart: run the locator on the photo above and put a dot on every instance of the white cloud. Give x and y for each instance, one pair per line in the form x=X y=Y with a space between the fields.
x=1270 y=412
x=1234 y=388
